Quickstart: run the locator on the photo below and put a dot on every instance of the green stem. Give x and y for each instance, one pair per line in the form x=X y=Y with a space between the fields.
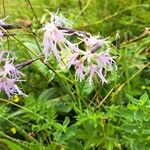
x=4 y=11
x=33 y=12
x=37 y=43
x=116 y=14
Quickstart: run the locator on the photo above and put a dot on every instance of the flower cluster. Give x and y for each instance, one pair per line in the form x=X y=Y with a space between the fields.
x=9 y=74
x=93 y=60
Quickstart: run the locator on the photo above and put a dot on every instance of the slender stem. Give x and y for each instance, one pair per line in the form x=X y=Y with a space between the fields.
x=116 y=14
x=33 y=12
x=105 y=98
x=35 y=38
x=4 y=11
x=23 y=143
x=122 y=85
x=84 y=8
x=16 y=126
x=132 y=77
x=26 y=109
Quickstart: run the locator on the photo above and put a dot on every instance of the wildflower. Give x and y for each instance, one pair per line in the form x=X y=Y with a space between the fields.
x=55 y=39
x=52 y=36
x=13 y=130
x=93 y=41
x=93 y=61
x=9 y=74
x=105 y=62
x=79 y=70
x=91 y=71
x=72 y=59
x=15 y=99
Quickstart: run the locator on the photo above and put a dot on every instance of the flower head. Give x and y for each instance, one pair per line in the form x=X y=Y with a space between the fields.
x=52 y=36
x=92 y=41
x=9 y=74
x=79 y=69
x=55 y=39
x=92 y=60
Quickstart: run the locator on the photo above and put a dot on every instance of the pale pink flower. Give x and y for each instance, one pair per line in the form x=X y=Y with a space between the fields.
x=99 y=72
x=55 y=39
x=9 y=86
x=79 y=70
x=105 y=62
x=94 y=69
x=91 y=41
x=51 y=37
x=93 y=60
x=12 y=71
x=78 y=64
x=91 y=71
x=9 y=74
x=97 y=63
x=72 y=60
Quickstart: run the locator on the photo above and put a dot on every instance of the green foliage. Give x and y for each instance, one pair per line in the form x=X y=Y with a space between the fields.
x=61 y=113
x=136 y=118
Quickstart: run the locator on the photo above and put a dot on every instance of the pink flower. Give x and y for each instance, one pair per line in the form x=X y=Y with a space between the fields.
x=100 y=75
x=55 y=39
x=91 y=71
x=9 y=87
x=94 y=69
x=9 y=74
x=12 y=71
x=105 y=62
x=51 y=37
x=72 y=60
x=91 y=61
x=79 y=70
x=91 y=41
x=92 y=64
